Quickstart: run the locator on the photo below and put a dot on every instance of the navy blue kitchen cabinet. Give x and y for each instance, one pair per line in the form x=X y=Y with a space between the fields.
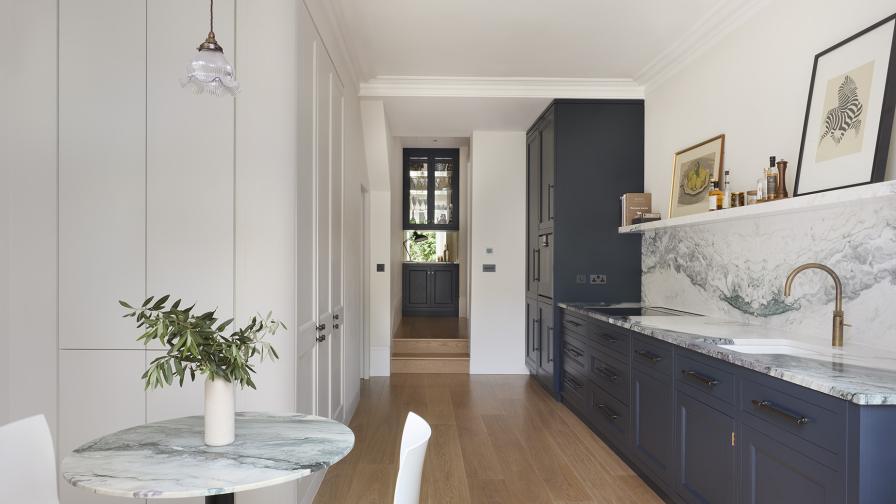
x=430 y=289
x=581 y=156
x=703 y=431
x=704 y=442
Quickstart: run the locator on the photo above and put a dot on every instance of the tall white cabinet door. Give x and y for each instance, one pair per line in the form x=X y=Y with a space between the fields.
x=306 y=311
x=337 y=260
x=100 y=392
x=323 y=184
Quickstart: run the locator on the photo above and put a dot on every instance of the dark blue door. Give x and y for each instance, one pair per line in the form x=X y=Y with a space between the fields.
x=773 y=472
x=653 y=417
x=705 y=444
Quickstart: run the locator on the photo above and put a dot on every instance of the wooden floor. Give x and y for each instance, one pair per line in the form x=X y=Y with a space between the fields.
x=496 y=439
x=432 y=328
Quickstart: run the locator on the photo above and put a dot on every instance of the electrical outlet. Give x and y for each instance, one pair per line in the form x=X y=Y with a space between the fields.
x=598 y=279
x=581 y=279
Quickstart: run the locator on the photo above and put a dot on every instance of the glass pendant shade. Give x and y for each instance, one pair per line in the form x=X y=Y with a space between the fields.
x=210 y=72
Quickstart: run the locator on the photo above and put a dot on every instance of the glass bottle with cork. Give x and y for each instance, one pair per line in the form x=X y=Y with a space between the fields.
x=771 y=180
x=715 y=196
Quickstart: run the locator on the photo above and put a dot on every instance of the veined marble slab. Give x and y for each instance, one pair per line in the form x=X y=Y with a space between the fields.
x=857 y=373
x=169 y=459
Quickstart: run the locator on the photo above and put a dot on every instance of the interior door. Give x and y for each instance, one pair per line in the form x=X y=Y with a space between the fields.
x=324 y=115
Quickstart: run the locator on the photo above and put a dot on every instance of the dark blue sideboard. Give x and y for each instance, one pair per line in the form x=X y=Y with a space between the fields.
x=704 y=431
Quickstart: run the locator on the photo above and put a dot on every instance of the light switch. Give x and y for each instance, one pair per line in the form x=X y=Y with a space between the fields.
x=488 y=268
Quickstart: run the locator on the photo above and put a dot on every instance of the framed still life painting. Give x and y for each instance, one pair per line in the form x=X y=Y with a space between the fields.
x=849 y=117
x=692 y=171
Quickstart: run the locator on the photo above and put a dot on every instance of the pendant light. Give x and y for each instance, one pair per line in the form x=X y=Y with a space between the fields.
x=209 y=71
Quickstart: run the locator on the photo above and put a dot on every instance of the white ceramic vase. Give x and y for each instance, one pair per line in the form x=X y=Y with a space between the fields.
x=219 y=412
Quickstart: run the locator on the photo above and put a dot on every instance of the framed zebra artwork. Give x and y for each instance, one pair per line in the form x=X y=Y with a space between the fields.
x=849 y=117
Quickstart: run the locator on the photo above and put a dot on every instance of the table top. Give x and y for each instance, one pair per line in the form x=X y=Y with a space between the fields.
x=169 y=459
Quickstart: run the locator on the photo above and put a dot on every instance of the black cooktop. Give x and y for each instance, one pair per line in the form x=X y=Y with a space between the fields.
x=642 y=311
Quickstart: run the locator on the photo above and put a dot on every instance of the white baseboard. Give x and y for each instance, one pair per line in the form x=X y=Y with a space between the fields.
x=380 y=361
x=351 y=407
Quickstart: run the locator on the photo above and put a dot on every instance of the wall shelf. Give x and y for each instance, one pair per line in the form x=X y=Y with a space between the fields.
x=808 y=203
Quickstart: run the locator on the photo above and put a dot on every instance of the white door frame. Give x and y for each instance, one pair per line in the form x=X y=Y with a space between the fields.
x=365 y=283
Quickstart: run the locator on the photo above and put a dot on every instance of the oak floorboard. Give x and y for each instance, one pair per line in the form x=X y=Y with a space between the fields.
x=496 y=440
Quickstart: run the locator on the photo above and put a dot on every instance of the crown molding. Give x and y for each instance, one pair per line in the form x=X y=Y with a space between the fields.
x=496 y=87
x=327 y=20
x=721 y=20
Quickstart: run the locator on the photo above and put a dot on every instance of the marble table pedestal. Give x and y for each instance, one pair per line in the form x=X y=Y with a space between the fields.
x=169 y=459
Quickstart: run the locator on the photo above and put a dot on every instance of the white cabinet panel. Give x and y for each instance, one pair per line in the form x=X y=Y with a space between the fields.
x=189 y=162
x=101 y=169
x=100 y=392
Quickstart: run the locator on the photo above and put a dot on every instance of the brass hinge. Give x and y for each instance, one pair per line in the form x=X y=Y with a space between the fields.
x=732 y=439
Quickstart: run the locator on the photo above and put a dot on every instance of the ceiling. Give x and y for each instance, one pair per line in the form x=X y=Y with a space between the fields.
x=458 y=117
x=514 y=38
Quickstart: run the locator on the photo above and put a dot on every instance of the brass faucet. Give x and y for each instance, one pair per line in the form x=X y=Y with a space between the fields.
x=837 y=336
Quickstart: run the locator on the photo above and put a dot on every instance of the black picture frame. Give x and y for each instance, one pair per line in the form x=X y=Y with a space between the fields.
x=888 y=108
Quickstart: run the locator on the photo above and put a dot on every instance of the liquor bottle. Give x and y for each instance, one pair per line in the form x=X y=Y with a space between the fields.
x=771 y=179
x=726 y=197
x=715 y=196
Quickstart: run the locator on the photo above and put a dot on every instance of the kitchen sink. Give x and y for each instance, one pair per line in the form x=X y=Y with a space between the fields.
x=778 y=346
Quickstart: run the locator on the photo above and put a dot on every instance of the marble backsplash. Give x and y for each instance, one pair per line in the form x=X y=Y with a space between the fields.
x=737 y=269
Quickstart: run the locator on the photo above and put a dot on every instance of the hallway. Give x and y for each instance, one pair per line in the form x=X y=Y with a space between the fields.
x=496 y=439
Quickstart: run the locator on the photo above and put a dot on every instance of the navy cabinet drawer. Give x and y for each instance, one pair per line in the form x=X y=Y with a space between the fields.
x=575 y=323
x=714 y=381
x=574 y=390
x=608 y=414
x=611 y=374
x=651 y=354
x=575 y=353
x=608 y=337
x=799 y=411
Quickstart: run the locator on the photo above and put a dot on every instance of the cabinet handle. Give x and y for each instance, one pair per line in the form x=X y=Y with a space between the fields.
x=647 y=354
x=700 y=377
x=335 y=326
x=320 y=327
x=612 y=415
x=572 y=383
x=609 y=339
x=574 y=323
x=550 y=347
x=538 y=335
x=570 y=350
x=321 y=338
x=537 y=265
x=773 y=408
x=607 y=373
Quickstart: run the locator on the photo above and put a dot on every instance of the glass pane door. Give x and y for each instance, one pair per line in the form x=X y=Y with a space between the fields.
x=445 y=173
x=418 y=190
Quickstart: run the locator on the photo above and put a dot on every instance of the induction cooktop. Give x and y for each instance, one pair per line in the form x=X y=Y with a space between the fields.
x=638 y=311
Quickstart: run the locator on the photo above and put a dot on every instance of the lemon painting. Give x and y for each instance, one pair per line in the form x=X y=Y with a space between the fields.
x=694 y=180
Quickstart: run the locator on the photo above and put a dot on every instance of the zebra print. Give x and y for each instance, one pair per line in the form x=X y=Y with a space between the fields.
x=846 y=115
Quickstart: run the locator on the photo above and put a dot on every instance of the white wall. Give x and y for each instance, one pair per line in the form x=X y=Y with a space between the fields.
x=463 y=234
x=29 y=166
x=157 y=191
x=379 y=148
x=752 y=86
x=498 y=209
x=396 y=254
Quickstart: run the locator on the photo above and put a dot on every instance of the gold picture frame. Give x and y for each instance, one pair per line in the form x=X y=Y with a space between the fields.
x=692 y=170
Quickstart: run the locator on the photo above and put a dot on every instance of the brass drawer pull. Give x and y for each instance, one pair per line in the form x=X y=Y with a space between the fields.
x=609 y=339
x=773 y=408
x=573 y=322
x=700 y=377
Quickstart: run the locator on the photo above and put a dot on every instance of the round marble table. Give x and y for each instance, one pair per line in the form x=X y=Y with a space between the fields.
x=169 y=459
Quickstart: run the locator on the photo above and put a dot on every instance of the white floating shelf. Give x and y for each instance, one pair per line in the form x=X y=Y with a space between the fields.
x=808 y=203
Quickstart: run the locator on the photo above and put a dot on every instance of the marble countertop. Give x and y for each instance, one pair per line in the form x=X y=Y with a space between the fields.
x=169 y=459
x=856 y=373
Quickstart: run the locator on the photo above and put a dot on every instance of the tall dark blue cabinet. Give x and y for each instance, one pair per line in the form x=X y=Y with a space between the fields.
x=582 y=155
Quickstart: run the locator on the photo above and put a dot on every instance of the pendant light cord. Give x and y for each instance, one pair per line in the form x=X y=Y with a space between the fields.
x=211 y=16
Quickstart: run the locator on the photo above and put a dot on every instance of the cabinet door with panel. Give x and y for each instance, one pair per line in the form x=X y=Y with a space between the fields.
x=546 y=343
x=704 y=443
x=533 y=202
x=771 y=471
x=443 y=289
x=416 y=288
x=547 y=207
x=653 y=428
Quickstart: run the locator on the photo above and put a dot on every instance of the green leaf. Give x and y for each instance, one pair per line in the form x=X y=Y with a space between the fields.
x=122 y=303
x=146 y=303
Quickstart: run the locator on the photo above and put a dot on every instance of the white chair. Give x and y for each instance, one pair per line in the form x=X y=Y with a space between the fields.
x=27 y=462
x=410 y=464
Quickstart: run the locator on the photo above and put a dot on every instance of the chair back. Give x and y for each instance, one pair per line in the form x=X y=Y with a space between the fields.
x=414 y=440
x=27 y=462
